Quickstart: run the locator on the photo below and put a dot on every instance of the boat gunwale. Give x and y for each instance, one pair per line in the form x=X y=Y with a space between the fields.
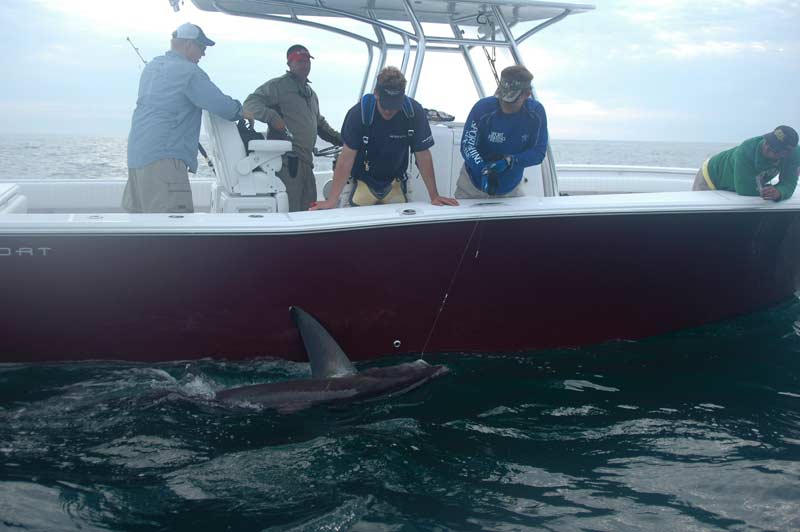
x=388 y=216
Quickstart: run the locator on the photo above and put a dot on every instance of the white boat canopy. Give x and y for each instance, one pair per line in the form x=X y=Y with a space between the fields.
x=461 y=12
x=492 y=22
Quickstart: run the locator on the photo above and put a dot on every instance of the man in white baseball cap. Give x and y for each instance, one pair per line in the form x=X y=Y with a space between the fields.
x=191 y=32
x=165 y=128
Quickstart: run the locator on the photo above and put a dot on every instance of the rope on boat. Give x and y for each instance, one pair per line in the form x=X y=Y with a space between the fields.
x=449 y=287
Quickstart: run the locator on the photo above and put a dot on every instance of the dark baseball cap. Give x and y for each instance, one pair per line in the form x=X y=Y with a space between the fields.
x=192 y=32
x=391 y=98
x=782 y=139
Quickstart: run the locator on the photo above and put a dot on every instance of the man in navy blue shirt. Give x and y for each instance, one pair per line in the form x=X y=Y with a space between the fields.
x=503 y=134
x=378 y=134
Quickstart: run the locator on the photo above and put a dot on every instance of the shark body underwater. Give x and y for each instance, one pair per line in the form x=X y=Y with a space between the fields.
x=334 y=379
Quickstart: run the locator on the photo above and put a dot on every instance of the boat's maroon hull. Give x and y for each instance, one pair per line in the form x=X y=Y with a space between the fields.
x=523 y=284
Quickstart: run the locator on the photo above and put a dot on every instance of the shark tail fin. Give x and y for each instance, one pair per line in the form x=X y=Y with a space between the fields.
x=326 y=357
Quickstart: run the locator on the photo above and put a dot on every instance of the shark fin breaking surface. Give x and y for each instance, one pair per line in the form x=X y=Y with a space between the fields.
x=325 y=356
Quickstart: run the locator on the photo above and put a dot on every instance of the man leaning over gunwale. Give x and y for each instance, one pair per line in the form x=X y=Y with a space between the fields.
x=749 y=168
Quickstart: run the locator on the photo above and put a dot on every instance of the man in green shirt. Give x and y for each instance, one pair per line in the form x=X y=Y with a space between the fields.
x=749 y=168
x=289 y=103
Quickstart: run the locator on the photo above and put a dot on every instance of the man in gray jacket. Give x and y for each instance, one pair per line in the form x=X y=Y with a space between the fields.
x=288 y=102
x=165 y=128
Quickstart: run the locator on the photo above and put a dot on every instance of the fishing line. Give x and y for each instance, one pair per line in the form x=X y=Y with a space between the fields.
x=449 y=287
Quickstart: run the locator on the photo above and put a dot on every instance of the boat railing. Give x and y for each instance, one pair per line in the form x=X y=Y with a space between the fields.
x=581 y=179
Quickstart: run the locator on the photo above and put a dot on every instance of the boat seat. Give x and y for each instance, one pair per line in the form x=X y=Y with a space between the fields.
x=11 y=201
x=245 y=183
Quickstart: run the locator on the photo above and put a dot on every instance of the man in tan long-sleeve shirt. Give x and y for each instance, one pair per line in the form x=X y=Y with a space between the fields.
x=289 y=102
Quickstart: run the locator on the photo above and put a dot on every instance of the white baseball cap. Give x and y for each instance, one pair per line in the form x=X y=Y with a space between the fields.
x=192 y=32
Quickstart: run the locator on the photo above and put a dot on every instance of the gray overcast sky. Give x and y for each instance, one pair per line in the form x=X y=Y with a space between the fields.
x=710 y=70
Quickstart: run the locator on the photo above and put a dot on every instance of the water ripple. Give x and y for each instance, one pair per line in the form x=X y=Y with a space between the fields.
x=663 y=434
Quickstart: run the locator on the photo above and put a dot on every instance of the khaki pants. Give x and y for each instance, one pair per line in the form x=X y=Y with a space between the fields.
x=302 y=188
x=363 y=196
x=162 y=186
x=466 y=190
x=702 y=178
x=700 y=182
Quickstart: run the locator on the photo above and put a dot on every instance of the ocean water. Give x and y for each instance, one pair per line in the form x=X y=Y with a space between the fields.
x=695 y=430
x=64 y=157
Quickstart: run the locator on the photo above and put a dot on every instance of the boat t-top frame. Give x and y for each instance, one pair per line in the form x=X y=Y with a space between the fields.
x=472 y=24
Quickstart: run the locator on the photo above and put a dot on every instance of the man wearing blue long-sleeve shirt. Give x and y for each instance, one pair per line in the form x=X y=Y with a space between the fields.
x=503 y=134
x=165 y=128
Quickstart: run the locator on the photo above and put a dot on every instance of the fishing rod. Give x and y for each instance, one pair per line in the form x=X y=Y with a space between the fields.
x=483 y=20
x=136 y=50
x=199 y=146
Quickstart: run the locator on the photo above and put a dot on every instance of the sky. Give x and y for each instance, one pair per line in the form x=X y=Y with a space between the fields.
x=652 y=70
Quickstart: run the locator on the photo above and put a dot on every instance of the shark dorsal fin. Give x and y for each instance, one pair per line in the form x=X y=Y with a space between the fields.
x=326 y=357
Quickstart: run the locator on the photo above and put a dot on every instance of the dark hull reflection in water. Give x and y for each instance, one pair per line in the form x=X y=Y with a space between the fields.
x=692 y=431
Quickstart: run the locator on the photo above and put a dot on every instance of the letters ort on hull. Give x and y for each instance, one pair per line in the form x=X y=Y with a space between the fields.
x=24 y=252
